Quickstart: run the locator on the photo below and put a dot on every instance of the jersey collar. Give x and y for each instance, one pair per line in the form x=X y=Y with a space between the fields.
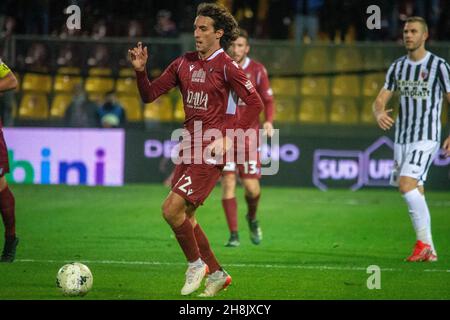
x=414 y=63
x=217 y=52
x=246 y=63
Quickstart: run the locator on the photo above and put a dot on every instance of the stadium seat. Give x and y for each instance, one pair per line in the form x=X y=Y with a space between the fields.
x=285 y=110
x=315 y=59
x=37 y=83
x=313 y=110
x=34 y=106
x=126 y=85
x=344 y=111
x=95 y=71
x=65 y=83
x=348 y=59
x=284 y=86
x=127 y=72
x=59 y=105
x=97 y=97
x=366 y=111
x=69 y=70
x=373 y=58
x=314 y=86
x=348 y=86
x=132 y=106
x=160 y=110
x=99 y=85
x=372 y=83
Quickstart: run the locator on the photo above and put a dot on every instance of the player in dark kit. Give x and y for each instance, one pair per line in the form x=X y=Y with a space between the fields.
x=249 y=171
x=210 y=83
x=7 y=202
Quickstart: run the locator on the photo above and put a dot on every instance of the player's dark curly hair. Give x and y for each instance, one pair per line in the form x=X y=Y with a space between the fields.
x=223 y=19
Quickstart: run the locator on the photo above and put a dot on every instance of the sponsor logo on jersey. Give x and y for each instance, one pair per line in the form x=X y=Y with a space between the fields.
x=199 y=76
x=197 y=100
x=191 y=67
x=249 y=85
x=414 y=89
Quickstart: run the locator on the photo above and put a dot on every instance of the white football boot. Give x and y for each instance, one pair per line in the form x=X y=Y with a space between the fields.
x=215 y=282
x=194 y=276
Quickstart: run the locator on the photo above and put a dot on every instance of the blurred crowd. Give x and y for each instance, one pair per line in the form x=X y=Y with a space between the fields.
x=299 y=20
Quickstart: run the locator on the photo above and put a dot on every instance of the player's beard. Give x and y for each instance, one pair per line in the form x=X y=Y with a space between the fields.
x=414 y=47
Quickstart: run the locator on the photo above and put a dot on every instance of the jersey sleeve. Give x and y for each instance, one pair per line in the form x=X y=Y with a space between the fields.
x=265 y=92
x=444 y=76
x=245 y=90
x=390 y=83
x=4 y=70
x=149 y=91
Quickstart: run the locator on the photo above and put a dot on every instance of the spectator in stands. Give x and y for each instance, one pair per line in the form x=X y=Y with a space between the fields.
x=135 y=29
x=165 y=27
x=111 y=114
x=307 y=17
x=81 y=112
x=100 y=30
x=99 y=56
x=36 y=58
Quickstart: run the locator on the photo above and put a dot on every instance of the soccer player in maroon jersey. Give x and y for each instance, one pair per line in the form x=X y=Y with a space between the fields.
x=210 y=82
x=7 y=202
x=250 y=170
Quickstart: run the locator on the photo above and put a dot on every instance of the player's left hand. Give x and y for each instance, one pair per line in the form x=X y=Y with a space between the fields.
x=446 y=147
x=268 y=129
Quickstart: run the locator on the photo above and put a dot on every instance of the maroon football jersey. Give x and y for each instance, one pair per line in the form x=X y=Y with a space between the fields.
x=210 y=90
x=257 y=74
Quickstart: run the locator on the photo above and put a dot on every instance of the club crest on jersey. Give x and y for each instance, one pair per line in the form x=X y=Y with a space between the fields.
x=424 y=74
x=199 y=76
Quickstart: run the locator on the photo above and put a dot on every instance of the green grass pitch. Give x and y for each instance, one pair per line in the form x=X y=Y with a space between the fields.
x=316 y=245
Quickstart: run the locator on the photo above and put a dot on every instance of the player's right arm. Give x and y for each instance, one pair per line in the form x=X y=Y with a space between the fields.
x=7 y=79
x=380 y=113
x=149 y=91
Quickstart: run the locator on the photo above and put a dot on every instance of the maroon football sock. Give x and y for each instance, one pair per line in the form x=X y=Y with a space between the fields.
x=205 y=250
x=7 y=208
x=186 y=239
x=230 y=207
x=252 y=204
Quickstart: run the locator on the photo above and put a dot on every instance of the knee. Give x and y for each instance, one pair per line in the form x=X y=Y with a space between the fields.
x=406 y=185
x=252 y=191
x=168 y=212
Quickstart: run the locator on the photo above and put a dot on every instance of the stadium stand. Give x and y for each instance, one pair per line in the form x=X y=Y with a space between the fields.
x=34 y=106
x=313 y=110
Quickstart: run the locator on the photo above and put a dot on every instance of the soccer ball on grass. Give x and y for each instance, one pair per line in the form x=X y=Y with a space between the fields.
x=74 y=279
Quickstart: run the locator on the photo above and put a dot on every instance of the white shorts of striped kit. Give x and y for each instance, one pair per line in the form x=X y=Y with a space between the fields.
x=413 y=160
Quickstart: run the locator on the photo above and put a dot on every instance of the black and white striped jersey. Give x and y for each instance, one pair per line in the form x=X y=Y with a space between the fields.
x=421 y=85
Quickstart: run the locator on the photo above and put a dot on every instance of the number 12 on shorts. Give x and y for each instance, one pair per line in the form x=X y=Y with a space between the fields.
x=188 y=182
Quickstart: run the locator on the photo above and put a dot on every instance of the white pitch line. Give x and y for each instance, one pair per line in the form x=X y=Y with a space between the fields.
x=241 y=265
